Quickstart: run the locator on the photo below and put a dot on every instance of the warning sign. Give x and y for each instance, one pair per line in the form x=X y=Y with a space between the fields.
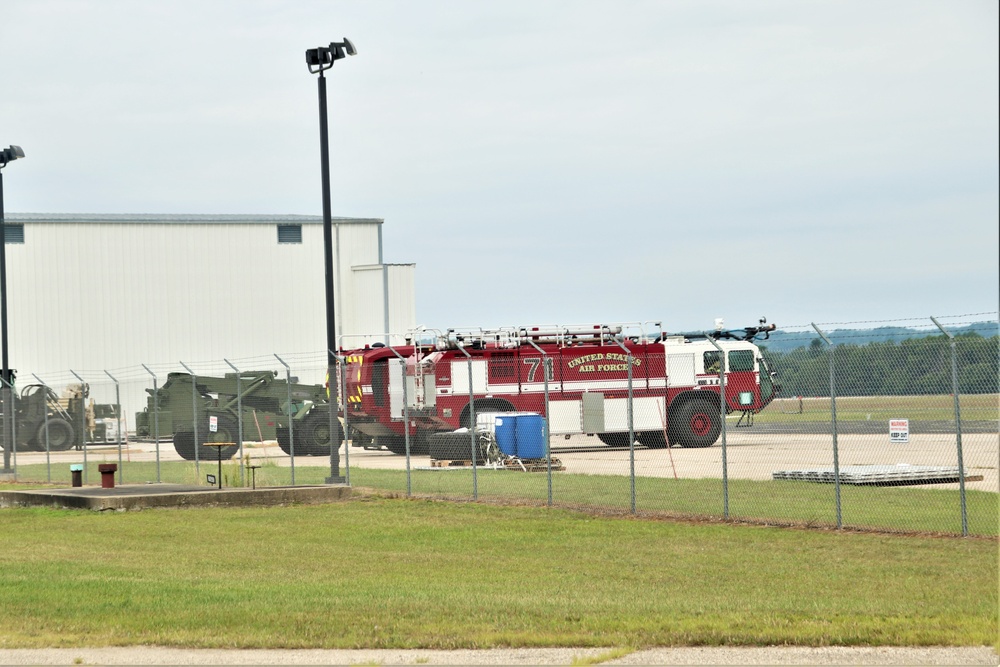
x=899 y=430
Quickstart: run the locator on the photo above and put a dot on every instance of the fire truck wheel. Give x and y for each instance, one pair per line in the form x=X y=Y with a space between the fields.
x=614 y=439
x=394 y=443
x=454 y=447
x=60 y=435
x=652 y=439
x=696 y=424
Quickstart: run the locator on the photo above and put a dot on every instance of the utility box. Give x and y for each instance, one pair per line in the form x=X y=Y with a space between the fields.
x=107 y=471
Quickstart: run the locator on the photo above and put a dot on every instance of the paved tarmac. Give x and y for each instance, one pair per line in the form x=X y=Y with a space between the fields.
x=751 y=454
x=766 y=655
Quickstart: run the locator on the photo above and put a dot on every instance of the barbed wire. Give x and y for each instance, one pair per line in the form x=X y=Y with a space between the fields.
x=994 y=314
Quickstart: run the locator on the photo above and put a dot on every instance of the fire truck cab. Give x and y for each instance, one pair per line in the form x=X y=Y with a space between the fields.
x=579 y=377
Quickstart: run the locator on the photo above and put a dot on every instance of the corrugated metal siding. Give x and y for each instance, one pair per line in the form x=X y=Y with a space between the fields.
x=109 y=295
x=368 y=306
x=358 y=246
x=402 y=297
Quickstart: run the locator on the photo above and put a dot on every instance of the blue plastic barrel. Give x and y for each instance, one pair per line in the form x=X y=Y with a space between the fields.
x=530 y=429
x=506 y=434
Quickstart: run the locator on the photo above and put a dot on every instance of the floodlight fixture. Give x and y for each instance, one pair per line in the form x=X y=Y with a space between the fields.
x=323 y=57
x=344 y=47
x=319 y=59
x=10 y=154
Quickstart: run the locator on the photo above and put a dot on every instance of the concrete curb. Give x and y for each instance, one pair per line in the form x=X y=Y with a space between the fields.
x=145 y=496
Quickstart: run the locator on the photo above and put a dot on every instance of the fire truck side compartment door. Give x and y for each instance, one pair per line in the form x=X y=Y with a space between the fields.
x=647 y=414
x=680 y=370
x=592 y=412
x=460 y=376
x=564 y=417
x=430 y=391
x=395 y=389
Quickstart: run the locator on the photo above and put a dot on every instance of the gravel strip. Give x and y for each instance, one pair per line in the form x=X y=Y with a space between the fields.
x=771 y=655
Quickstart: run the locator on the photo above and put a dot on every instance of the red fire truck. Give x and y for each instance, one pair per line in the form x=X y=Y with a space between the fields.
x=585 y=371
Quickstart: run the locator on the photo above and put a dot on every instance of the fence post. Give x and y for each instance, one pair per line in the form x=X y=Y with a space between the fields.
x=833 y=417
x=347 y=420
x=239 y=417
x=722 y=417
x=83 y=421
x=546 y=369
x=9 y=428
x=332 y=403
x=472 y=424
x=156 y=422
x=291 y=435
x=958 y=425
x=45 y=422
x=9 y=439
x=631 y=426
x=406 y=421
x=118 y=417
x=194 y=419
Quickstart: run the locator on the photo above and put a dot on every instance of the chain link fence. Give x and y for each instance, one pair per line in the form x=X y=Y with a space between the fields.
x=889 y=427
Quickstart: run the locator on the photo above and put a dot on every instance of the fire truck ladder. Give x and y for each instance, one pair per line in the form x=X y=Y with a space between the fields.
x=564 y=336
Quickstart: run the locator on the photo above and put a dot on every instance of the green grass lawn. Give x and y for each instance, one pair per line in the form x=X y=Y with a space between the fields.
x=904 y=509
x=397 y=573
x=935 y=407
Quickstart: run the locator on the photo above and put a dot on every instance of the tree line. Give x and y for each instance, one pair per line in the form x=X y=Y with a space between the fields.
x=913 y=366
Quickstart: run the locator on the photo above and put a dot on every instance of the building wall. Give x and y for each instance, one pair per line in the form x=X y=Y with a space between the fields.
x=95 y=293
x=391 y=288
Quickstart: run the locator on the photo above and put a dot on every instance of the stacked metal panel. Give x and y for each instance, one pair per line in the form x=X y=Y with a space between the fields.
x=876 y=475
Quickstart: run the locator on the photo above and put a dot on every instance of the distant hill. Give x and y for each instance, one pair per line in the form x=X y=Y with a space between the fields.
x=784 y=342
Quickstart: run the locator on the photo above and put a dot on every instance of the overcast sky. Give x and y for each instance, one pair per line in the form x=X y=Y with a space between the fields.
x=548 y=162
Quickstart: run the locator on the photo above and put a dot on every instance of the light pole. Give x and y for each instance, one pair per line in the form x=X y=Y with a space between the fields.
x=319 y=60
x=7 y=377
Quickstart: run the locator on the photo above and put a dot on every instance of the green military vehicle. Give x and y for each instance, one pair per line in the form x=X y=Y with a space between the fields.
x=41 y=416
x=208 y=412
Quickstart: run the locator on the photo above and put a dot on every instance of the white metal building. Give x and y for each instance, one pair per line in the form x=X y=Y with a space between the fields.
x=95 y=292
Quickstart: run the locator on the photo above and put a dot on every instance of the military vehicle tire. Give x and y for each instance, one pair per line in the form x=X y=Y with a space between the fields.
x=60 y=434
x=315 y=440
x=284 y=439
x=31 y=445
x=695 y=424
x=184 y=444
x=228 y=431
x=454 y=447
